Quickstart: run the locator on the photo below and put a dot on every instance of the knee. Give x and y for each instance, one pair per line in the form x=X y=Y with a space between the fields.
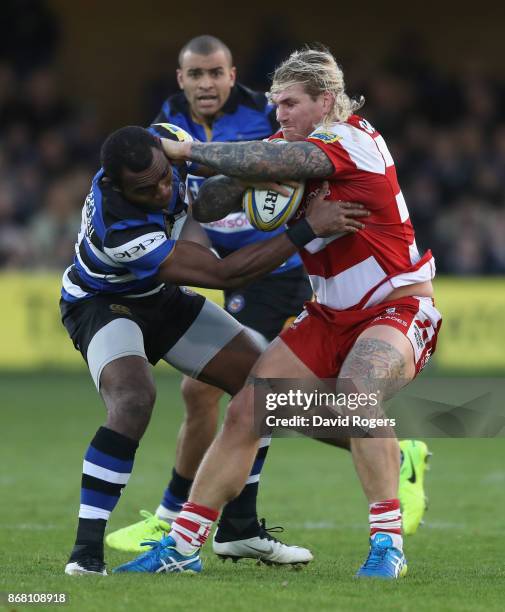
x=240 y=414
x=131 y=405
x=201 y=400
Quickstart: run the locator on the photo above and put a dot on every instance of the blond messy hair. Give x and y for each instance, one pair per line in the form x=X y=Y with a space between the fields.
x=317 y=71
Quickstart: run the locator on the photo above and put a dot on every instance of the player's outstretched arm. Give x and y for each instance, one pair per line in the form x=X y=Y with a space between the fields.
x=192 y=264
x=255 y=160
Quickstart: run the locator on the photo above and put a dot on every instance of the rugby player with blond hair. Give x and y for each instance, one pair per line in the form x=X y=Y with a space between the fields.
x=373 y=321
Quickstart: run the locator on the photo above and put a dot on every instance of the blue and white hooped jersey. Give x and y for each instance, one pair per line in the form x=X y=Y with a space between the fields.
x=246 y=115
x=120 y=247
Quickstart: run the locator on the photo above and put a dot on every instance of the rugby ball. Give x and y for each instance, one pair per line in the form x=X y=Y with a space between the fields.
x=268 y=210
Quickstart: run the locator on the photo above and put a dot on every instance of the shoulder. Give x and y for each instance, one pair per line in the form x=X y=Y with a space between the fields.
x=248 y=114
x=355 y=140
x=356 y=127
x=247 y=104
x=175 y=105
x=244 y=96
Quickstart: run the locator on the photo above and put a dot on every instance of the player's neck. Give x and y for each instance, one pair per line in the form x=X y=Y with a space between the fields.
x=206 y=120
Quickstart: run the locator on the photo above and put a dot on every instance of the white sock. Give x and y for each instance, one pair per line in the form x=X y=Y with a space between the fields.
x=165 y=514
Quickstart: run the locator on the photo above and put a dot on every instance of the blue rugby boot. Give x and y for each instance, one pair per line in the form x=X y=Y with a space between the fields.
x=383 y=561
x=163 y=557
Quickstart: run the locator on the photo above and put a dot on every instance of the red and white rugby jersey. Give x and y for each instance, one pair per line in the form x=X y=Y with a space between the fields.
x=360 y=270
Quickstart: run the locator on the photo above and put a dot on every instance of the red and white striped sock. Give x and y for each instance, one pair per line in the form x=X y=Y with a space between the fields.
x=386 y=517
x=191 y=528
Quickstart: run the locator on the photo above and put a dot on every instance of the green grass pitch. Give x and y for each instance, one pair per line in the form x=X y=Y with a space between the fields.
x=456 y=562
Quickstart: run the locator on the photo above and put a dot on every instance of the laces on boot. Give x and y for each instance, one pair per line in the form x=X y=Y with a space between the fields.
x=375 y=557
x=265 y=533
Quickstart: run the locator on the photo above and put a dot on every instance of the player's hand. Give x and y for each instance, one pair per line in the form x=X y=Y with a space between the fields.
x=176 y=151
x=328 y=217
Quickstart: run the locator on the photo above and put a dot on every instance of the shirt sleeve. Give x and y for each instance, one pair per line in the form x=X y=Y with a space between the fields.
x=329 y=144
x=350 y=149
x=141 y=249
x=164 y=115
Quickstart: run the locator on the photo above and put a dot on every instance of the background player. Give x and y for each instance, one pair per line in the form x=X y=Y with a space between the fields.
x=212 y=106
x=123 y=310
x=373 y=317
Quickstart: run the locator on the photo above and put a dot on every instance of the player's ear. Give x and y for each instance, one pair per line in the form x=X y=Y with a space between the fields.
x=233 y=75
x=178 y=72
x=328 y=101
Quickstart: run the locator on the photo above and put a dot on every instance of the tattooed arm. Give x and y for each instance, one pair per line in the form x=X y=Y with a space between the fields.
x=255 y=160
x=217 y=197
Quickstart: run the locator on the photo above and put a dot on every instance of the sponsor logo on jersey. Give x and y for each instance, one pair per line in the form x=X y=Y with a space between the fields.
x=120 y=309
x=392 y=317
x=425 y=359
x=235 y=303
x=420 y=332
x=424 y=325
x=232 y=222
x=418 y=337
x=326 y=136
x=139 y=249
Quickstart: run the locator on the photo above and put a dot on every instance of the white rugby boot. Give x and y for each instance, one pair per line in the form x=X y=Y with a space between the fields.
x=264 y=547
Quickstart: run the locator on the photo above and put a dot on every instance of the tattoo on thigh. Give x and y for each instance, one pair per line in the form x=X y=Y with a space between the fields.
x=371 y=360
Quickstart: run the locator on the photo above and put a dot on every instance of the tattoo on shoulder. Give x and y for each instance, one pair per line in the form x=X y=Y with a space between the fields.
x=265 y=160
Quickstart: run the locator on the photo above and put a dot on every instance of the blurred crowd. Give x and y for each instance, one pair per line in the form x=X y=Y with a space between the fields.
x=49 y=144
x=446 y=132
